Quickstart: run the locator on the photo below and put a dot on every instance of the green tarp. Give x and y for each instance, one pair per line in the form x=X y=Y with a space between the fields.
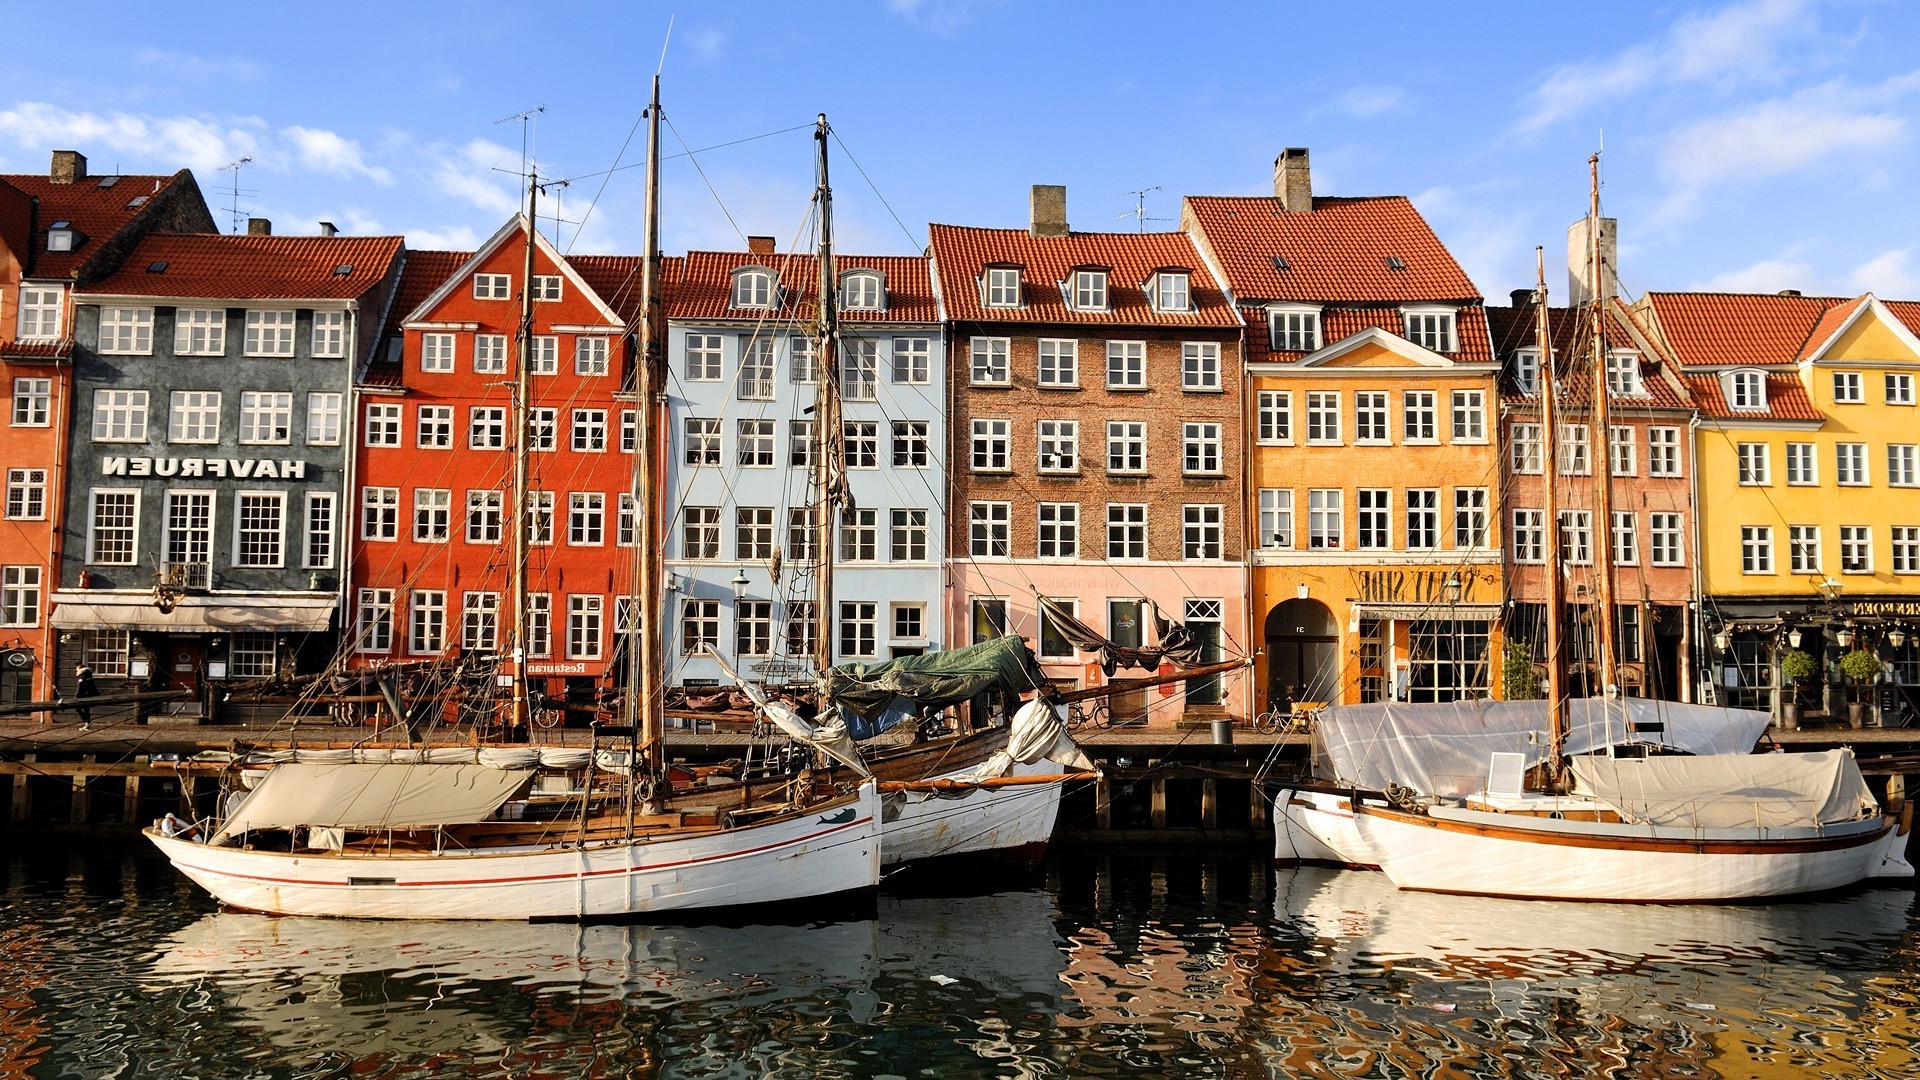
x=936 y=679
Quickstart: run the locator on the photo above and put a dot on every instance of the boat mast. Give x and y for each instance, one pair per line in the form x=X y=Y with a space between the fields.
x=1603 y=607
x=517 y=512
x=1550 y=474
x=647 y=606
x=826 y=433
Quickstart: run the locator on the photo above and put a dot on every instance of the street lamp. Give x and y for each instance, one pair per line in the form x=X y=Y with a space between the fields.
x=1793 y=638
x=740 y=584
x=1845 y=637
x=1896 y=637
x=1722 y=640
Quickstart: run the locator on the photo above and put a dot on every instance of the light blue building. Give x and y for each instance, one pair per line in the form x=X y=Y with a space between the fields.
x=741 y=571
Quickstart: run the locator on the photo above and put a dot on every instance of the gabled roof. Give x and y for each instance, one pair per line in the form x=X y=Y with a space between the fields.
x=704 y=287
x=1414 y=355
x=217 y=267
x=1516 y=328
x=1339 y=323
x=1786 y=399
x=98 y=206
x=961 y=255
x=515 y=230
x=1338 y=251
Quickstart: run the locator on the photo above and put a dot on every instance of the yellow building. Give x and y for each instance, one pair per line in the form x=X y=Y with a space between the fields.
x=1807 y=499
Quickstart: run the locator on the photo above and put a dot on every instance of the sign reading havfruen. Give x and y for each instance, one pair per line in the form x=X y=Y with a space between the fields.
x=219 y=468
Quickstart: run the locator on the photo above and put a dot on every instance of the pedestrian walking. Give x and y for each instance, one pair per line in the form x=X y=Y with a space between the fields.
x=83 y=689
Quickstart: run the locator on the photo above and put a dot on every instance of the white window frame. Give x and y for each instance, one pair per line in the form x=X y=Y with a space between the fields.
x=1323 y=418
x=989 y=525
x=1622 y=446
x=120 y=415
x=383 y=424
x=1898 y=387
x=1420 y=417
x=1850 y=464
x=243 y=531
x=1432 y=328
x=1172 y=291
x=1903 y=465
x=322 y=518
x=426 y=622
x=1803 y=549
x=32 y=402
x=1057 y=531
x=432 y=515
x=1127 y=538
x=199 y=331
x=1202 y=530
x=492 y=286
x=26 y=494
x=1326 y=519
x=486 y=427
x=1756 y=549
x=380 y=513
x=489 y=354
x=1058 y=440
x=42 y=311
x=586 y=625
x=1469 y=414
x=1127 y=444
x=1000 y=287
x=1849 y=388
x=1057 y=363
x=1275 y=507
x=324 y=414
x=1663 y=452
x=863 y=290
x=1856 y=549
x=1372 y=419
x=269 y=332
x=547 y=288
x=1273 y=418
x=1126 y=365
x=1202 y=450
x=912 y=361
x=752 y=288
x=1293 y=328
x=21 y=592
x=590 y=353
x=1665 y=539
x=1200 y=366
x=989 y=361
x=437 y=352
x=1803 y=464
x=193 y=417
x=1745 y=389
x=266 y=418
x=1088 y=290
x=126 y=331
x=586 y=519
x=329 y=335
x=433 y=427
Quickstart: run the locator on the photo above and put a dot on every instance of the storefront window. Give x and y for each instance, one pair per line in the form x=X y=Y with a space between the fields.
x=251 y=656
x=1449 y=660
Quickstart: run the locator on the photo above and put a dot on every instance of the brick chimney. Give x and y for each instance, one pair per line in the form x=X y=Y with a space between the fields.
x=328 y=228
x=69 y=167
x=1048 y=206
x=1293 y=180
x=259 y=226
x=760 y=245
x=1580 y=260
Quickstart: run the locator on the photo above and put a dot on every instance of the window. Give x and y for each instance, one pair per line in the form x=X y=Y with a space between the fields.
x=752 y=627
x=629 y=431
x=329 y=334
x=859 y=534
x=989 y=361
x=1431 y=330
x=1059 y=362
x=1906 y=549
x=269 y=333
x=907 y=536
x=1756 y=549
x=624 y=520
x=1899 y=389
x=1423 y=517
x=199 y=331
x=752 y=288
x=861 y=291
x=259 y=523
x=32 y=402
x=1274 y=417
x=119 y=416
x=539 y=624
x=489 y=354
x=1126 y=531
x=426 y=621
x=586 y=616
x=373 y=621
x=1294 y=331
x=379 y=513
x=1370 y=416
x=1059 y=530
x=1200 y=365
x=1469 y=416
x=1626 y=541
x=483 y=516
x=432 y=515
x=545 y=357
x=39 y=312
x=1090 y=290
x=1803 y=464
x=1620 y=443
x=319 y=530
x=433 y=427
x=26 y=494
x=1745 y=390
x=989 y=619
x=1575 y=457
x=193 y=416
x=589 y=434
x=1201 y=532
x=1059 y=446
x=586 y=519
x=19 y=596
x=800 y=359
x=800 y=444
x=753 y=533
x=383 y=424
x=1203 y=620
x=1126 y=446
x=1200 y=449
x=1663 y=452
x=539 y=519
x=590 y=355
x=1276 y=518
x=1803 y=549
x=859 y=370
x=1323 y=418
x=436 y=352
x=492 y=286
x=266 y=418
x=801 y=624
x=1420 y=413
x=1901 y=464
x=1526 y=371
x=861 y=443
x=1529 y=536
x=1326 y=511
x=189 y=536
x=1849 y=388
x=1170 y=291
x=1663 y=534
x=911 y=449
x=703 y=441
x=546 y=287
x=479 y=621
x=1623 y=375
x=1856 y=549
x=487 y=427
x=909 y=622
x=1469 y=517
x=126 y=331
x=992 y=445
x=1054 y=645
x=1126 y=365
x=323 y=418
x=1850 y=464
x=703 y=357
x=1576 y=537
x=700 y=532
x=1003 y=286
x=754 y=444
x=113 y=528
x=859 y=628
x=1373 y=517
x=912 y=361
x=540 y=428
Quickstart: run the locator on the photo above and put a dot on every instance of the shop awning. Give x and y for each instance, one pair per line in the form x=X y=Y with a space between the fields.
x=194 y=614
x=1426 y=612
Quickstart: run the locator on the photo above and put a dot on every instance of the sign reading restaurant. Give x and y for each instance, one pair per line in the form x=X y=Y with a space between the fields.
x=235 y=468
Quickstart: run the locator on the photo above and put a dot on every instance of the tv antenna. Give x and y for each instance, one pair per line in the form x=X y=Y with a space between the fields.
x=1139 y=211
x=525 y=118
x=235 y=190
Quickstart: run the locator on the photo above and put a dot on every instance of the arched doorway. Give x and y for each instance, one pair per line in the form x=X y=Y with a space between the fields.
x=1303 y=657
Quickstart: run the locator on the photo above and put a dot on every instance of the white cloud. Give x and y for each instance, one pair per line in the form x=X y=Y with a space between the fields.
x=708 y=43
x=329 y=152
x=451 y=238
x=942 y=17
x=1365 y=102
x=187 y=68
x=1889 y=274
x=1485 y=231
x=159 y=142
x=1783 y=271
x=468 y=173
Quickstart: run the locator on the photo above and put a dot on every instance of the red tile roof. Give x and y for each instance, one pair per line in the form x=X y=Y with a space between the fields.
x=37 y=350
x=616 y=279
x=705 y=281
x=220 y=267
x=1337 y=251
x=961 y=255
x=420 y=275
x=1786 y=399
x=97 y=211
x=1830 y=323
x=1515 y=328
x=1721 y=329
x=1340 y=323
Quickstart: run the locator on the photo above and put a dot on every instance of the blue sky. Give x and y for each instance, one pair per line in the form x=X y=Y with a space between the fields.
x=1756 y=145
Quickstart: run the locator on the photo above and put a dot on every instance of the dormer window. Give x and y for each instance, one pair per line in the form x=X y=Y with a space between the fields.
x=61 y=236
x=1431 y=328
x=1623 y=374
x=1294 y=329
x=1003 y=286
x=752 y=287
x=1745 y=390
x=863 y=290
x=1089 y=290
x=1526 y=371
x=1170 y=291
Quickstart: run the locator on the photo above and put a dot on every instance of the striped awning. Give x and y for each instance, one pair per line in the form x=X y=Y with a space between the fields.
x=193 y=614
x=1428 y=612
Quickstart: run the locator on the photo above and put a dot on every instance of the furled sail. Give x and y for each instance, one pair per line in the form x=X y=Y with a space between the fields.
x=936 y=680
x=1177 y=643
x=369 y=796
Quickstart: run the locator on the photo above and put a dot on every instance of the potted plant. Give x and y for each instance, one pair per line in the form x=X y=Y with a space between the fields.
x=1796 y=668
x=1860 y=668
x=1518 y=679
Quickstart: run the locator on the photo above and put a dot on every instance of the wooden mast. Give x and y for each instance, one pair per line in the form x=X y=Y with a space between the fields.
x=1603 y=605
x=1550 y=475
x=826 y=434
x=646 y=662
x=517 y=512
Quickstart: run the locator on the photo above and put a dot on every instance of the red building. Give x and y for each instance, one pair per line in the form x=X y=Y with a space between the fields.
x=430 y=552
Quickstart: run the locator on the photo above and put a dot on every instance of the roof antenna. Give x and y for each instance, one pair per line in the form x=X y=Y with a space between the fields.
x=526 y=118
x=234 y=192
x=1139 y=210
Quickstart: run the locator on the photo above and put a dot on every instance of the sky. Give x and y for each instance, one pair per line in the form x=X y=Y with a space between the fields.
x=1757 y=145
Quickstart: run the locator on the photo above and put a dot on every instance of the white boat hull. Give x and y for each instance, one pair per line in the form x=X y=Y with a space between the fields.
x=1014 y=821
x=1318 y=827
x=1491 y=854
x=801 y=857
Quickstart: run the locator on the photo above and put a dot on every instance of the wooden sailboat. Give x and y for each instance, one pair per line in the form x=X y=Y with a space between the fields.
x=467 y=833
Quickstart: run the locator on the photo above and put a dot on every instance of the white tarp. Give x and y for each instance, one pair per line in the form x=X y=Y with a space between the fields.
x=374 y=796
x=1441 y=749
x=1730 y=792
x=829 y=736
x=1038 y=732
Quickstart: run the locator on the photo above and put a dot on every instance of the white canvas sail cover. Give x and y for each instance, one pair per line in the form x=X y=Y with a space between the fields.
x=1733 y=792
x=368 y=796
x=1038 y=732
x=1442 y=748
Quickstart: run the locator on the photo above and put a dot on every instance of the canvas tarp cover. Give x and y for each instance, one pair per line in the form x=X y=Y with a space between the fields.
x=1177 y=643
x=367 y=796
x=1771 y=791
x=1442 y=748
x=936 y=679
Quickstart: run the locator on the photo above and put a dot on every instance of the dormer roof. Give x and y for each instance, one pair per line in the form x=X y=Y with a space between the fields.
x=962 y=254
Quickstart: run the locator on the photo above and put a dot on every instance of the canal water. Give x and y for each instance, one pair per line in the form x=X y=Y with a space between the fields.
x=1116 y=964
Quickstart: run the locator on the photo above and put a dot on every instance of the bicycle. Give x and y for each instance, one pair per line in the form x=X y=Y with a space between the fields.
x=1099 y=715
x=1279 y=722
